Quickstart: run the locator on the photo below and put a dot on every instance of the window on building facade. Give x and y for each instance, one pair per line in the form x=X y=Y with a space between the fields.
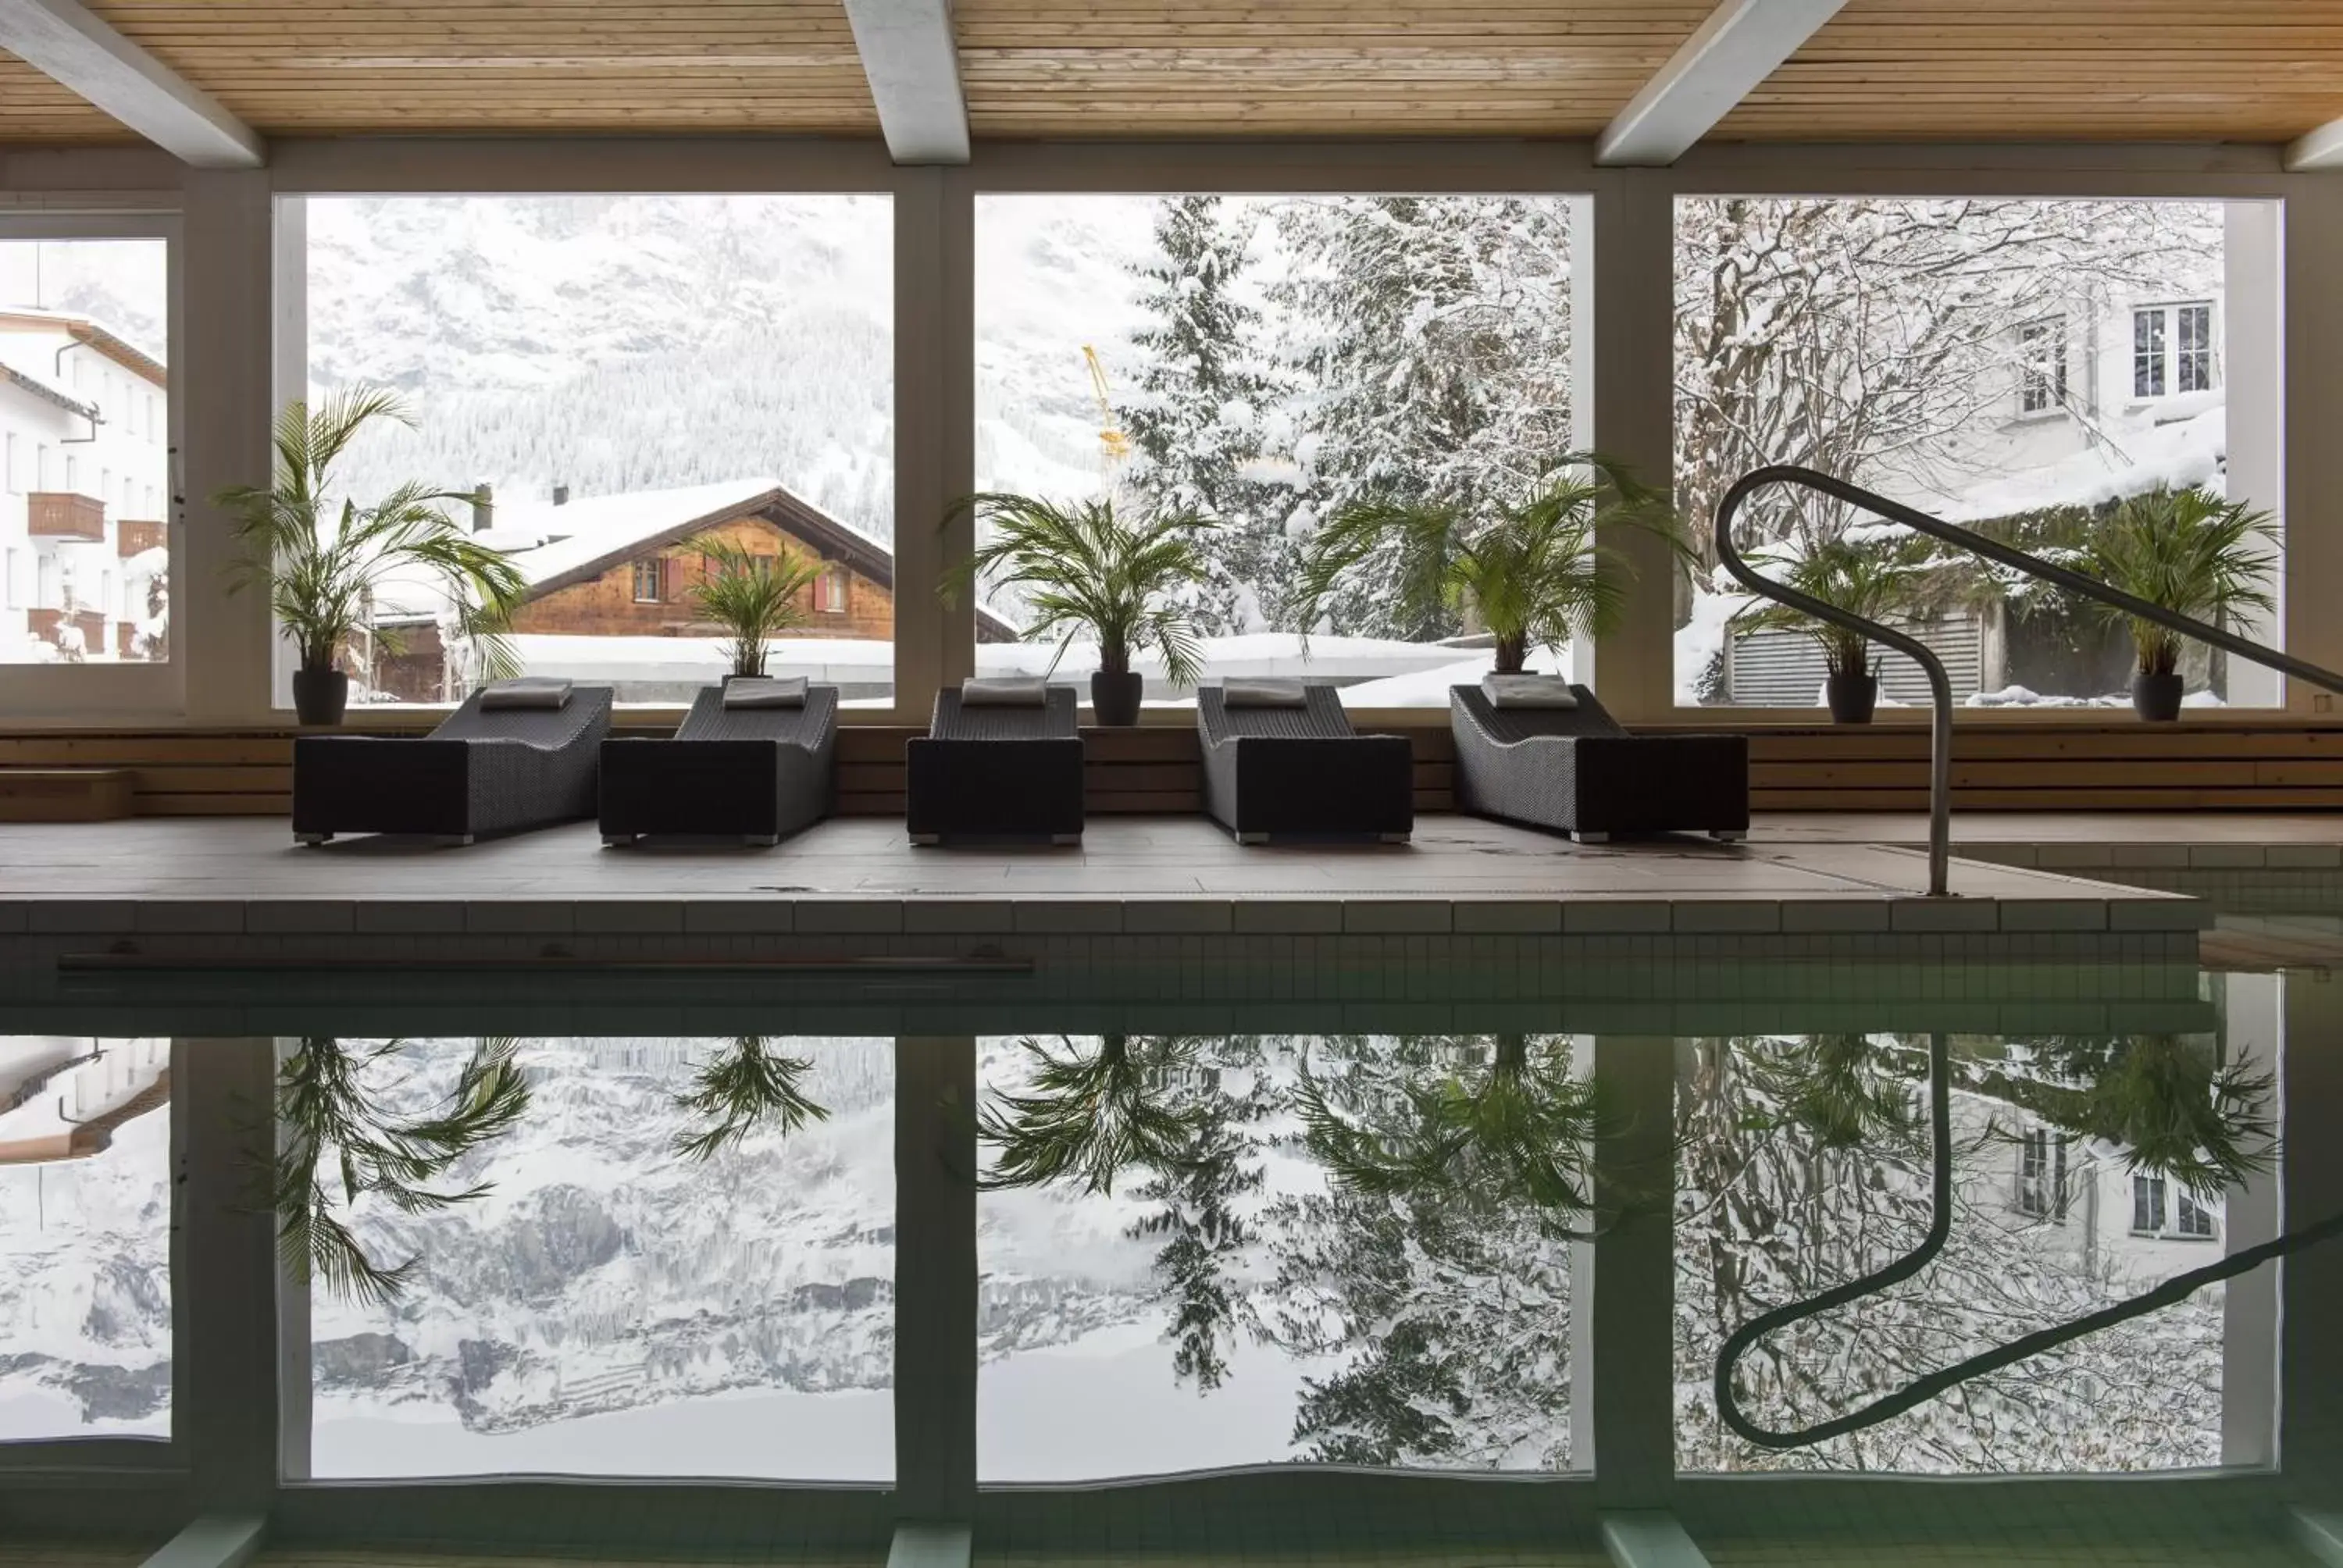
x=2191 y=1218
x=740 y=385
x=2193 y=354
x=830 y=593
x=2042 y=349
x=1264 y=362
x=2172 y=350
x=650 y=580
x=1798 y=323
x=2147 y=1204
x=2042 y=1175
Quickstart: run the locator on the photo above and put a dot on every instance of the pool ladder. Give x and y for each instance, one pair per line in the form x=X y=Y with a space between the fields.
x=1940 y=686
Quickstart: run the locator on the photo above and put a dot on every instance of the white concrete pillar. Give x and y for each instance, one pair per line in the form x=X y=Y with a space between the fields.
x=226 y=392
x=1632 y=418
x=2254 y=367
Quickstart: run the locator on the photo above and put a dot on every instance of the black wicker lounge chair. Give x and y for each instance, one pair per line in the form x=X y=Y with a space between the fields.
x=485 y=770
x=1577 y=771
x=1283 y=771
x=996 y=772
x=755 y=773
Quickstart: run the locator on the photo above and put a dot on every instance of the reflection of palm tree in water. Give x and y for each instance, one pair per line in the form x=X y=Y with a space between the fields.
x=1522 y=1131
x=1150 y=1104
x=341 y=1142
x=337 y=1136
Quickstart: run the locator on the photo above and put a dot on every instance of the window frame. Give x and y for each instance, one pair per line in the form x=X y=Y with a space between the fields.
x=2173 y=357
x=2042 y=379
x=100 y=692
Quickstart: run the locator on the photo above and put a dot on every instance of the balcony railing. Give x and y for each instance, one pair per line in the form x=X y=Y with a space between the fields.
x=62 y=515
x=136 y=536
x=44 y=623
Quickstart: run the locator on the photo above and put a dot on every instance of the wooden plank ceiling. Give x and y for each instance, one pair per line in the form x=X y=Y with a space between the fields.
x=2251 y=70
x=32 y=108
x=1282 y=67
x=328 y=67
x=2134 y=70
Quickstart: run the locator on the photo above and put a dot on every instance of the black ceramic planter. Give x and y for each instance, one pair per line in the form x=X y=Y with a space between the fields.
x=320 y=696
x=1852 y=697
x=1114 y=699
x=2156 y=697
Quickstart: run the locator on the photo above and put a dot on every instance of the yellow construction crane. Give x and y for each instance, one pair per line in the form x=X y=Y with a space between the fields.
x=1114 y=445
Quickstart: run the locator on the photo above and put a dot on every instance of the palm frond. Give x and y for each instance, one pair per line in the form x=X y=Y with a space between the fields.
x=329 y=1122
x=2183 y=550
x=1533 y=572
x=754 y=598
x=1079 y=567
x=743 y=1087
x=320 y=562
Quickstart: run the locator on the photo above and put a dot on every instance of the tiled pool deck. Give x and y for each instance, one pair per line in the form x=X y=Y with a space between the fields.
x=1145 y=909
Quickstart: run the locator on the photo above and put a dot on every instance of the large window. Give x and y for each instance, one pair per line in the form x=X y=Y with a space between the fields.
x=2029 y=368
x=635 y=1289
x=1265 y=362
x=83 y=541
x=607 y=381
x=85 y=1225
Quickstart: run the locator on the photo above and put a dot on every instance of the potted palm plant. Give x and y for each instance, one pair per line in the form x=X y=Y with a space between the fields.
x=753 y=597
x=1081 y=569
x=1530 y=573
x=322 y=555
x=1874 y=578
x=2185 y=550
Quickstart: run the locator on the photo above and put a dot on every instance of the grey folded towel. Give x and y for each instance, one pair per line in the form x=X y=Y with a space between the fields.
x=1274 y=693
x=1005 y=691
x=1528 y=691
x=760 y=691
x=530 y=691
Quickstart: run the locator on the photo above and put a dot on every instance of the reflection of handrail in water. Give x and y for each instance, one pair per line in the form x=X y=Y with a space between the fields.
x=1919 y=1391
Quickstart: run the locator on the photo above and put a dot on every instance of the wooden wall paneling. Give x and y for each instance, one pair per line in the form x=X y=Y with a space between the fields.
x=2195 y=766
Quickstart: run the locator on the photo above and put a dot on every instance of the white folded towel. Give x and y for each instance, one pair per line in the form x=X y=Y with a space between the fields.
x=1005 y=691
x=1528 y=691
x=530 y=691
x=1274 y=693
x=763 y=692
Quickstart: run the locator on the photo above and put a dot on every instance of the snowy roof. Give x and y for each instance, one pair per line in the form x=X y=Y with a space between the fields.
x=548 y=541
x=553 y=546
x=47 y=392
x=2132 y=457
x=84 y=329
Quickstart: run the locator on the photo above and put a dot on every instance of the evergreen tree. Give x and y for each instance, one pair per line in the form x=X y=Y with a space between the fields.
x=1196 y=422
x=1436 y=333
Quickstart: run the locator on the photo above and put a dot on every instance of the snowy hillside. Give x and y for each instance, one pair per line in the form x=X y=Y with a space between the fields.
x=612 y=1307
x=617 y=343
x=85 y=1290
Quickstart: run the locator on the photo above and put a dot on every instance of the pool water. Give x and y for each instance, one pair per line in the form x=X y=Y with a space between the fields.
x=1165 y=1254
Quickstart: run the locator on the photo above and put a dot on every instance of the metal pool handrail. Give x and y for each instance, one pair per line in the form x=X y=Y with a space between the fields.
x=1940 y=686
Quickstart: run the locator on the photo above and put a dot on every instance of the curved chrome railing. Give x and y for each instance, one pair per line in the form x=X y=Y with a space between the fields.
x=1940 y=687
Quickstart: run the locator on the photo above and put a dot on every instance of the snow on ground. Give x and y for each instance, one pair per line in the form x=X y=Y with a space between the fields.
x=2178 y=447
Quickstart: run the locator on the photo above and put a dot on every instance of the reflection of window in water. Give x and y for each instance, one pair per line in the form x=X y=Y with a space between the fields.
x=2042 y=1174
x=2188 y=1215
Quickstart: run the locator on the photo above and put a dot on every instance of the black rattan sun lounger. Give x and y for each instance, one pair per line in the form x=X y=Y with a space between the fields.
x=1290 y=772
x=481 y=771
x=996 y=772
x=1577 y=771
x=751 y=773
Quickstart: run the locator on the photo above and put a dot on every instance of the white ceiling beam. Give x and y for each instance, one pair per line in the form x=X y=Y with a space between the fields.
x=913 y=62
x=62 y=39
x=2318 y=149
x=1742 y=43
